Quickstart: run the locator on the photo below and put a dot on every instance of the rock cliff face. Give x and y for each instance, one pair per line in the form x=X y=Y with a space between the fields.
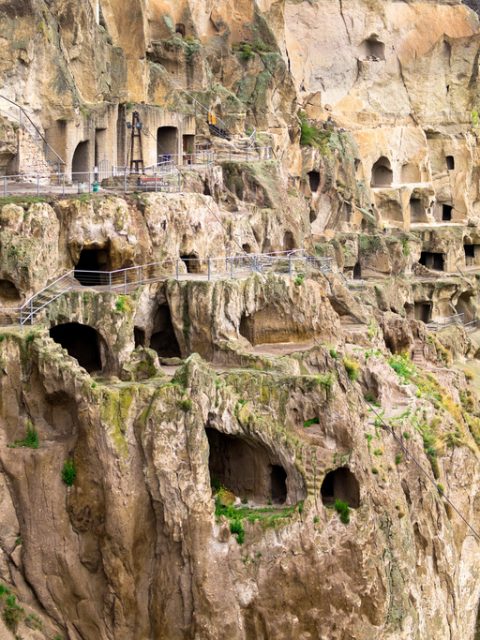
x=234 y=444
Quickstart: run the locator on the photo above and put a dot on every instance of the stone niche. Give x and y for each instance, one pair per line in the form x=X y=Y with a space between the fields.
x=83 y=343
x=247 y=468
x=341 y=484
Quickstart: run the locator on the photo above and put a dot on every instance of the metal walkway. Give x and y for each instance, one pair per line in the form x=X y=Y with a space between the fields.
x=124 y=281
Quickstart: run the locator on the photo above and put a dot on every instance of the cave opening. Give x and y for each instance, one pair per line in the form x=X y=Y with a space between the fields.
x=465 y=306
x=245 y=468
x=247 y=248
x=80 y=162
x=314 y=180
x=192 y=262
x=288 y=241
x=139 y=337
x=450 y=160
x=91 y=263
x=341 y=484
x=472 y=254
x=435 y=261
x=163 y=339
x=422 y=311
x=447 y=210
x=417 y=210
x=82 y=342
x=167 y=141
x=382 y=174
x=373 y=48
x=357 y=271
x=8 y=290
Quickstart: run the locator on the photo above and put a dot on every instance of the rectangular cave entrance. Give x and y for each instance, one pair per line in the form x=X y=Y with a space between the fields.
x=435 y=261
x=91 y=263
x=472 y=254
x=163 y=339
x=245 y=468
x=423 y=311
x=188 y=149
x=417 y=211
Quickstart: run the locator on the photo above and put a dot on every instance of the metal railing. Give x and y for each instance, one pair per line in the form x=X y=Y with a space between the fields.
x=185 y=268
x=36 y=184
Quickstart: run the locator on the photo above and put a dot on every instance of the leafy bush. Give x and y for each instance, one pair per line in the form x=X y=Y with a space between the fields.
x=326 y=380
x=343 y=510
x=398 y=458
x=236 y=527
x=121 y=304
x=299 y=279
x=352 y=368
x=69 y=472
x=30 y=440
x=185 y=405
x=246 y=51
x=334 y=354
x=403 y=367
x=12 y=613
x=310 y=423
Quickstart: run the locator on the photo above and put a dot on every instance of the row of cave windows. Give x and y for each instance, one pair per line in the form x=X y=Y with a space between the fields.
x=247 y=470
x=382 y=174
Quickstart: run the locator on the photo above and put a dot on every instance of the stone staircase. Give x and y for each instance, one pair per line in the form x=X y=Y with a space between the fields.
x=312 y=481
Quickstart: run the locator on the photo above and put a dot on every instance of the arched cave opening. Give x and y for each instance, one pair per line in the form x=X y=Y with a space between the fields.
x=450 y=160
x=247 y=248
x=373 y=48
x=472 y=254
x=314 y=180
x=81 y=162
x=91 y=262
x=382 y=174
x=245 y=468
x=9 y=291
x=192 y=262
x=357 y=271
x=82 y=342
x=289 y=241
x=163 y=340
x=341 y=484
x=167 y=143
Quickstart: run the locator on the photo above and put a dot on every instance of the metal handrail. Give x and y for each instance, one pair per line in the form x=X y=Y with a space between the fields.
x=128 y=277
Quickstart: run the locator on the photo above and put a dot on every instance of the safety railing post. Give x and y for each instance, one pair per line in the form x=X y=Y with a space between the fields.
x=110 y=281
x=125 y=180
x=31 y=311
x=63 y=184
x=290 y=265
x=125 y=280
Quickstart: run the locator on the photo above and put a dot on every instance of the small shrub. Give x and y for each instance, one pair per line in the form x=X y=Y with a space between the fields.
x=398 y=458
x=31 y=439
x=4 y=590
x=375 y=471
x=122 y=304
x=185 y=405
x=69 y=472
x=352 y=368
x=343 y=511
x=310 y=423
x=406 y=435
x=299 y=279
x=316 y=519
x=300 y=507
x=12 y=613
x=334 y=354
x=403 y=367
x=378 y=452
x=30 y=338
x=325 y=380
x=441 y=489
x=236 y=528
x=246 y=52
